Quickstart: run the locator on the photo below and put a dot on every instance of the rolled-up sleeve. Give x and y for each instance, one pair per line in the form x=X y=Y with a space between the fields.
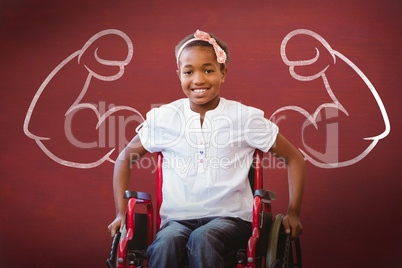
x=259 y=132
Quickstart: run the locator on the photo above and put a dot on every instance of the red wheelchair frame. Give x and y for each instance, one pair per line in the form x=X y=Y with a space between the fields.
x=268 y=245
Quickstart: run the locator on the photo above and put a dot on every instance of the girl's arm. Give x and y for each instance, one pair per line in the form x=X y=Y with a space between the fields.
x=286 y=152
x=121 y=180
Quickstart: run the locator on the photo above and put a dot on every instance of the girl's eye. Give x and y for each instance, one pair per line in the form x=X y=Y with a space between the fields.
x=209 y=71
x=187 y=72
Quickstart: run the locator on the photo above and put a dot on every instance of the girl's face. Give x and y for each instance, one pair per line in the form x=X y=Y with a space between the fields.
x=201 y=77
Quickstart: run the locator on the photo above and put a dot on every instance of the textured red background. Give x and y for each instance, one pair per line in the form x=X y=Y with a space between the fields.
x=56 y=216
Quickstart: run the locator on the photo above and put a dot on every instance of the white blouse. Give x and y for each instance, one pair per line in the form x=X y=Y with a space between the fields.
x=205 y=169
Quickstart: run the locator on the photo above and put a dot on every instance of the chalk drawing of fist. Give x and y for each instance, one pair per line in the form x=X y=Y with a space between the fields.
x=63 y=117
x=337 y=109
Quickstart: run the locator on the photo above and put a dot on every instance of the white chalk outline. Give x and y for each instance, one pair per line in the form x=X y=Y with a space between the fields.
x=77 y=105
x=335 y=104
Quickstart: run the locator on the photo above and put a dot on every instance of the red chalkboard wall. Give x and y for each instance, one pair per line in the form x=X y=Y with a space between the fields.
x=77 y=78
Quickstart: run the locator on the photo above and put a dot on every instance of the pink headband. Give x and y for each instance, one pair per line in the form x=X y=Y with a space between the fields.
x=203 y=36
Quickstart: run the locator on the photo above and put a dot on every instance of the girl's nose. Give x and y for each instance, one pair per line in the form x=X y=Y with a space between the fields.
x=198 y=78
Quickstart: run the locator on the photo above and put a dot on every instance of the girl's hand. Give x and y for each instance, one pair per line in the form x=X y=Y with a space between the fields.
x=292 y=226
x=116 y=224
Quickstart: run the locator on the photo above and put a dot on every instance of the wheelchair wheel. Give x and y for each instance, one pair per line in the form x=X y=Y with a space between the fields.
x=123 y=234
x=279 y=250
x=114 y=252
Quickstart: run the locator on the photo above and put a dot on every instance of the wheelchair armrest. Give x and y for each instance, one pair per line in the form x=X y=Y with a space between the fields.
x=265 y=195
x=138 y=195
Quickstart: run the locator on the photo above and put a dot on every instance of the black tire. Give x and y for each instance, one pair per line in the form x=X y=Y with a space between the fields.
x=111 y=262
x=279 y=250
x=123 y=234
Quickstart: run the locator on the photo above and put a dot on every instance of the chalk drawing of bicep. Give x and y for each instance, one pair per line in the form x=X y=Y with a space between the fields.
x=78 y=105
x=330 y=158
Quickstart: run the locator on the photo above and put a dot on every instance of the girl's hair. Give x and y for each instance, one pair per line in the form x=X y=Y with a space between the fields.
x=201 y=43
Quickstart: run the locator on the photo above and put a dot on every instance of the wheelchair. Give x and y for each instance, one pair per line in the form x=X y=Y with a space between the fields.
x=269 y=246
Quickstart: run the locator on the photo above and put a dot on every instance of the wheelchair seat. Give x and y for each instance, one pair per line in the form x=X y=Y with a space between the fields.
x=269 y=246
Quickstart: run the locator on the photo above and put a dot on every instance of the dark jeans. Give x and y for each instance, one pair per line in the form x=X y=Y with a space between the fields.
x=206 y=241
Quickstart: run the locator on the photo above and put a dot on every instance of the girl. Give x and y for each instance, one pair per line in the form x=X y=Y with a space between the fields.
x=208 y=144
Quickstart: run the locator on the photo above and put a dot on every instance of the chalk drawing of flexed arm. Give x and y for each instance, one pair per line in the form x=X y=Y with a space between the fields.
x=60 y=98
x=316 y=158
